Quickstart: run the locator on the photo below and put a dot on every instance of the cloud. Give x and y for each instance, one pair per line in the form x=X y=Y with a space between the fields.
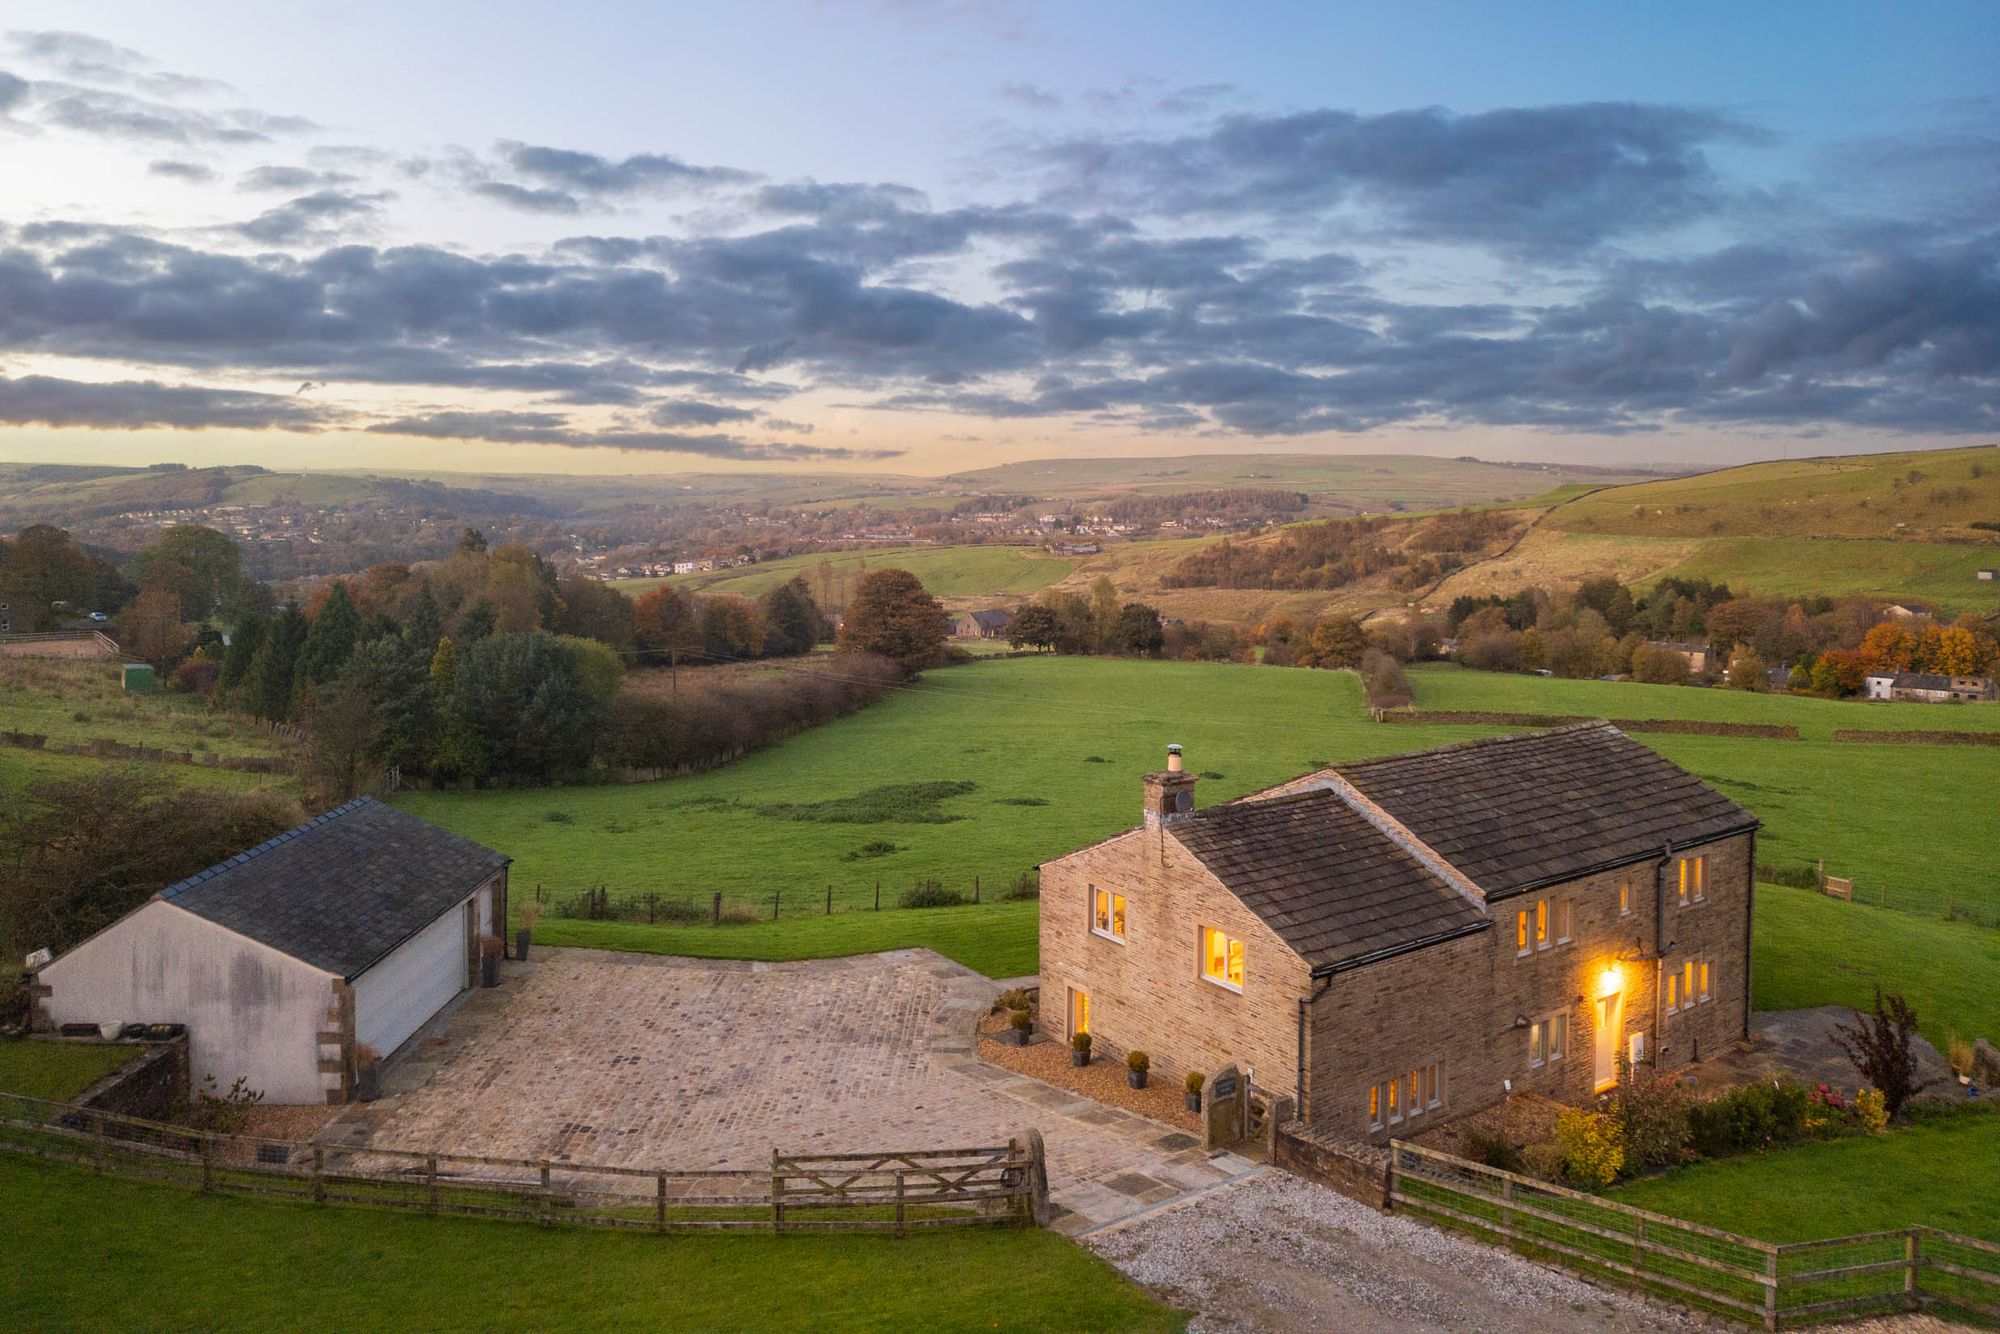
x=287 y=178
x=542 y=428
x=117 y=115
x=693 y=412
x=528 y=200
x=126 y=405
x=596 y=176
x=13 y=91
x=191 y=172
x=1032 y=96
x=309 y=217
x=81 y=56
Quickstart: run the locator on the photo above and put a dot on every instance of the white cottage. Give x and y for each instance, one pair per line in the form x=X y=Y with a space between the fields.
x=354 y=928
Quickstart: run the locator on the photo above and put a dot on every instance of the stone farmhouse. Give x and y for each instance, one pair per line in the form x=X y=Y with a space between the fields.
x=1930 y=688
x=991 y=624
x=1407 y=940
x=355 y=928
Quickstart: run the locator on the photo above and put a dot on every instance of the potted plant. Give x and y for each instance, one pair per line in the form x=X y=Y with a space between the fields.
x=525 y=936
x=1195 y=1080
x=1137 y=1063
x=367 y=1073
x=1079 y=1049
x=490 y=950
x=1020 y=1025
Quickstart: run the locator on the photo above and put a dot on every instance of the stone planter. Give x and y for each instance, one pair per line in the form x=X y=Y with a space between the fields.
x=368 y=1083
x=1079 y=1058
x=1020 y=1037
x=522 y=939
x=1135 y=1078
x=489 y=971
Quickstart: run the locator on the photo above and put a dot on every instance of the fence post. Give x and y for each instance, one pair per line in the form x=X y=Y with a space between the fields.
x=777 y=1196
x=715 y=910
x=878 y=894
x=1507 y=1208
x=1395 y=1171
x=660 y=1202
x=431 y=1179
x=774 y=905
x=1910 y=1263
x=548 y=1198
x=1771 y=1289
x=1639 y=1255
x=319 y=1175
x=899 y=1201
x=207 y=1163
x=975 y=889
x=98 y=1165
x=829 y=900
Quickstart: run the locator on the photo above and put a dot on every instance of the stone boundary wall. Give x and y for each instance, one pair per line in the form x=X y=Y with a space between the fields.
x=104 y=748
x=154 y=1087
x=1691 y=727
x=1358 y=1171
x=1919 y=738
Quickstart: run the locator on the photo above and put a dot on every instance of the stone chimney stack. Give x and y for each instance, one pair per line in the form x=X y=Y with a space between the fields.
x=1169 y=793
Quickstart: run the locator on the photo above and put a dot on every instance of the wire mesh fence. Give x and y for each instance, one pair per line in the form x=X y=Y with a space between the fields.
x=1706 y=1268
x=896 y=1191
x=683 y=907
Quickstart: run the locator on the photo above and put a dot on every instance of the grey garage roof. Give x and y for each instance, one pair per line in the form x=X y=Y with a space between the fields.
x=343 y=890
x=1518 y=812
x=1334 y=887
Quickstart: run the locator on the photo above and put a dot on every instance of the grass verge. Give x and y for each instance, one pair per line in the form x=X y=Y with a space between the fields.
x=100 y=1253
x=56 y=1071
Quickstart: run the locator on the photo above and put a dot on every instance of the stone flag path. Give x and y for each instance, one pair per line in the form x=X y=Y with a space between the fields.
x=639 y=1060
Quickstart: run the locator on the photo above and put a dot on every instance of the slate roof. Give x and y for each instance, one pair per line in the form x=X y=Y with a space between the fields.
x=1920 y=681
x=1334 y=887
x=992 y=620
x=1518 y=812
x=343 y=890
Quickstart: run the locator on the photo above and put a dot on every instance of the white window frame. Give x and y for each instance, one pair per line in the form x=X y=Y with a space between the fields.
x=1704 y=996
x=1524 y=941
x=1542 y=925
x=1674 y=992
x=1701 y=877
x=1375 y=1101
x=1565 y=921
x=1558 y=1030
x=1537 y=1046
x=1114 y=911
x=1625 y=897
x=1201 y=944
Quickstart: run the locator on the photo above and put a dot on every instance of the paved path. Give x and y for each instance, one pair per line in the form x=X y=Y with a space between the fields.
x=616 y=1059
x=1800 y=1043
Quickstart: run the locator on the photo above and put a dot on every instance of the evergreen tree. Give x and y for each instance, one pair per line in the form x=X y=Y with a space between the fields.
x=793 y=623
x=274 y=667
x=331 y=640
x=236 y=659
x=444 y=670
x=522 y=711
x=477 y=623
x=425 y=625
x=393 y=680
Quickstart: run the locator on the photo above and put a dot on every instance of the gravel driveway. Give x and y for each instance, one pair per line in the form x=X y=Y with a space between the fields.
x=1278 y=1253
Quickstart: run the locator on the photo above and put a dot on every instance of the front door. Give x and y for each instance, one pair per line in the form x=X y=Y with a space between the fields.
x=1079 y=1011
x=1609 y=1009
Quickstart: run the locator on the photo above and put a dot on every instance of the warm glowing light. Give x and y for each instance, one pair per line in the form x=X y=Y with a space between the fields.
x=1610 y=980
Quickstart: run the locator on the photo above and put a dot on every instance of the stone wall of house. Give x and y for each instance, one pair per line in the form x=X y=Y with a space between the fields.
x=1148 y=993
x=1468 y=1005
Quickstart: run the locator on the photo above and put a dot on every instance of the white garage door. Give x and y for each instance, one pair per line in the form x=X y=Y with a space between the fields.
x=394 y=998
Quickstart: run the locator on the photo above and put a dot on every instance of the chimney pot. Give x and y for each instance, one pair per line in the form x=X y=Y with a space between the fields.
x=1174 y=758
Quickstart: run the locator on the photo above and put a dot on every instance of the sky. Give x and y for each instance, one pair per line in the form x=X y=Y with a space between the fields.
x=916 y=237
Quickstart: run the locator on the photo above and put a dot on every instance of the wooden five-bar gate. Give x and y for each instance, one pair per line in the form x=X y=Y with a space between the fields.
x=892 y=1191
x=1755 y=1281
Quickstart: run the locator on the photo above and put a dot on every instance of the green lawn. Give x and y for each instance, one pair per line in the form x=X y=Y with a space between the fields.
x=1938 y=1172
x=1071 y=736
x=997 y=939
x=1940 y=573
x=56 y=1071
x=72 y=701
x=1813 y=950
x=945 y=571
x=102 y=1253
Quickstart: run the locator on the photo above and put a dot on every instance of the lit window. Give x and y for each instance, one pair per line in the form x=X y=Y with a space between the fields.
x=1395 y=1101
x=1704 y=979
x=1687 y=983
x=1374 y=1106
x=1547 y=1038
x=1107 y=913
x=1558 y=1027
x=1542 y=925
x=1700 y=878
x=1673 y=992
x=1432 y=1095
x=1521 y=932
x=1537 y=1044
x=1684 y=882
x=1624 y=898
x=1565 y=920
x=1221 y=959
x=1413 y=1092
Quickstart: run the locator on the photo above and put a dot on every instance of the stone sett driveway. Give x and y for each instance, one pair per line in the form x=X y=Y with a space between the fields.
x=640 y=1060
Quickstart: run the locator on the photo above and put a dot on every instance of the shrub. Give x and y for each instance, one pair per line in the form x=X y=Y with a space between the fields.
x=1959 y=1052
x=930 y=894
x=1020 y=1021
x=1879 y=1047
x=1195 y=1080
x=1027 y=885
x=1542 y=1160
x=739 y=917
x=1081 y=1042
x=1873 y=1110
x=880 y=847
x=1752 y=1117
x=1593 y=1150
x=1139 y=1061
x=1652 y=1114
x=1494 y=1150
x=1015 y=998
x=224 y=1113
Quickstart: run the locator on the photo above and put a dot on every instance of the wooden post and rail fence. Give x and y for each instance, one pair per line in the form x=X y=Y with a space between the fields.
x=897 y=1192
x=1758 y=1282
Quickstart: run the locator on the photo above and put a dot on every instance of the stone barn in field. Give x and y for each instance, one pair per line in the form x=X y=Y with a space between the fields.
x=1399 y=942
x=990 y=624
x=353 y=929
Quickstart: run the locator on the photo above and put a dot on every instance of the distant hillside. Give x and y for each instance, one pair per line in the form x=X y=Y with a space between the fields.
x=1887 y=525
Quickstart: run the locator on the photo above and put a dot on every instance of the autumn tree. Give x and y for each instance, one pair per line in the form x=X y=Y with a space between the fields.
x=151 y=627
x=1888 y=647
x=892 y=616
x=666 y=625
x=1337 y=641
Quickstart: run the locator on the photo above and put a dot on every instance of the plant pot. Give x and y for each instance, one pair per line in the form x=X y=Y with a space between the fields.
x=1193 y=1101
x=522 y=939
x=1079 y=1058
x=1136 y=1078
x=489 y=972
x=1020 y=1037
x=368 y=1083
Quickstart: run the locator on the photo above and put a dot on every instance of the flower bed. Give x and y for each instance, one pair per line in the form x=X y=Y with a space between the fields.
x=1103 y=1080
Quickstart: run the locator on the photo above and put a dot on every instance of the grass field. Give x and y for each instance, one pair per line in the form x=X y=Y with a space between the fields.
x=1864 y=1184
x=1941 y=574
x=951 y=572
x=57 y=1071
x=100 y=1253
x=72 y=701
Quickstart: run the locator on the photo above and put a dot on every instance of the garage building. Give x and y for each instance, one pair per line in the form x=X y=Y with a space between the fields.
x=353 y=929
